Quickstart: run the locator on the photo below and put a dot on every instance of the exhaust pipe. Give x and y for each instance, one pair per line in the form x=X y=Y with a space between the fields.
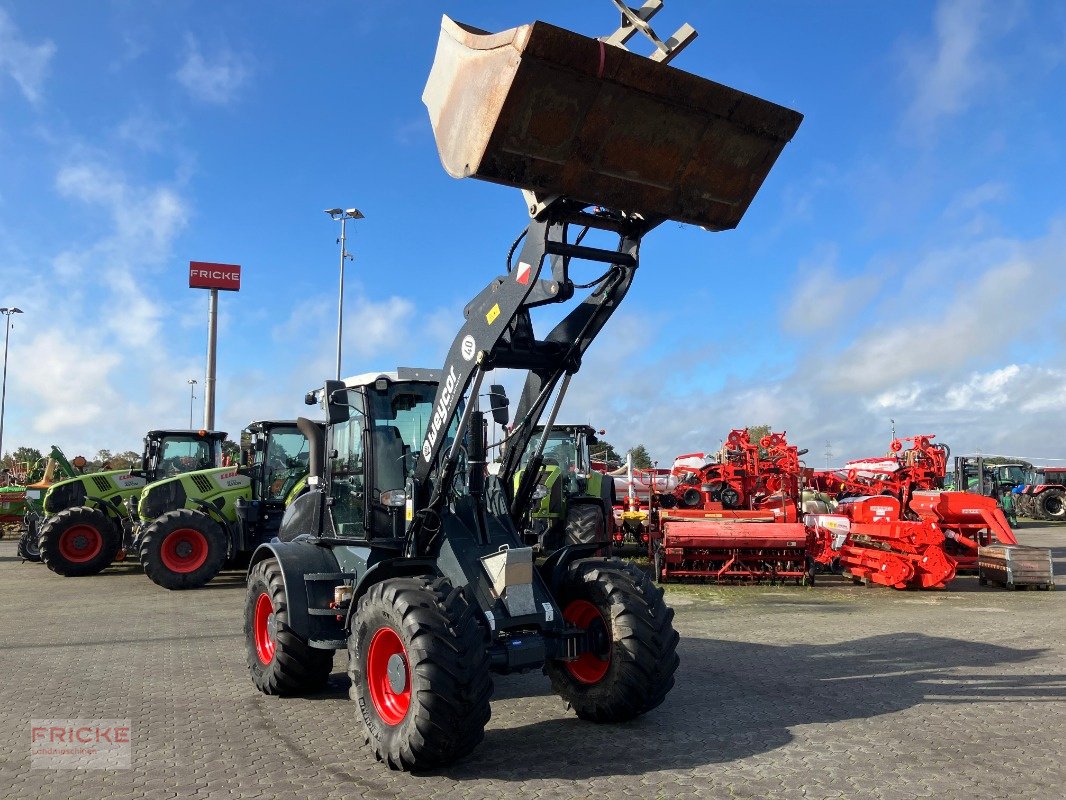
x=314 y=449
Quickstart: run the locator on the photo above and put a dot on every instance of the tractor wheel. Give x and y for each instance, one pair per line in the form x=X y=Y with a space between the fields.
x=183 y=549
x=420 y=672
x=280 y=661
x=29 y=547
x=1051 y=505
x=78 y=541
x=631 y=665
x=585 y=524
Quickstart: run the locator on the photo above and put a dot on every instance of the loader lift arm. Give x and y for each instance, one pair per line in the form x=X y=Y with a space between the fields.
x=498 y=333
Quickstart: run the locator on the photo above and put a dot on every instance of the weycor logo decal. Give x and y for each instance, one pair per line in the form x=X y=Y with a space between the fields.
x=438 y=420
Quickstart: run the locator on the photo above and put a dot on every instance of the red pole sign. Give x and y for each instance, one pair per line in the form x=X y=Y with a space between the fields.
x=205 y=275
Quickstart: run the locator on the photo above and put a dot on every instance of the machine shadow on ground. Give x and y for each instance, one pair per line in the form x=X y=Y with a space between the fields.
x=737 y=699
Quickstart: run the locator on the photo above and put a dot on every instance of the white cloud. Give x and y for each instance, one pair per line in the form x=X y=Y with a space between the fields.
x=26 y=64
x=947 y=75
x=824 y=297
x=215 y=78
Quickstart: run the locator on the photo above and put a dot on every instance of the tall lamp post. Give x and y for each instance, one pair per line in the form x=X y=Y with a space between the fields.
x=7 y=312
x=192 y=397
x=343 y=215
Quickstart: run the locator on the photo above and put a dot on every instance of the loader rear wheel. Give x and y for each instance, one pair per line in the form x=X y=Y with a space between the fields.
x=420 y=672
x=1051 y=504
x=585 y=523
x=279 y=661
x=78 y=541
x=29 y=548
x=633 y=657
x=183 y=549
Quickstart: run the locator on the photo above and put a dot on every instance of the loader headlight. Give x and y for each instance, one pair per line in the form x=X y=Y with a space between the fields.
x=540 y=491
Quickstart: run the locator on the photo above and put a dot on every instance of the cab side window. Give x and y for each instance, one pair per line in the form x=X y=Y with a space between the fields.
x=347 y=473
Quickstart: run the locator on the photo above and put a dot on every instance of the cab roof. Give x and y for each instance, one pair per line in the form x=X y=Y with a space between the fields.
x=162 y=432
x=400 y=374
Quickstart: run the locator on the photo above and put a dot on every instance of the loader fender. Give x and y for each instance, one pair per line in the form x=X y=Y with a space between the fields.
x=554 y=568
x=400 y=567
x=305 y=566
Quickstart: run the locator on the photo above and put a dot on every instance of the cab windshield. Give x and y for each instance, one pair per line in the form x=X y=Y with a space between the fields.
x=180 y=454
x=560 y=450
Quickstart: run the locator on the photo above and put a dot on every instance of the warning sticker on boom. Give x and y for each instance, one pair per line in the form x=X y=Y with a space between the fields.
x=493 y=313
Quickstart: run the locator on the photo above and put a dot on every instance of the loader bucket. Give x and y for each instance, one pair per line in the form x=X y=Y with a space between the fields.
x=546 y=109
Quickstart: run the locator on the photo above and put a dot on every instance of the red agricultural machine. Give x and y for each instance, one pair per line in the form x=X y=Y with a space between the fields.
x=868 y=539
x=900 y=473
x=969 y=521
x=734 y=516
x=744 y=475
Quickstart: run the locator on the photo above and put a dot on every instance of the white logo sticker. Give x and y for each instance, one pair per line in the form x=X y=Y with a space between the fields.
x=468 y=347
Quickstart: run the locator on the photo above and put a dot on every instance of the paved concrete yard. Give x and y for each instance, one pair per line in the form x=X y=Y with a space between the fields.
x=835 y=691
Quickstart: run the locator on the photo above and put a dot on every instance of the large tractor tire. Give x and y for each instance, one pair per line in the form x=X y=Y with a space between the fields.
x=29 y=548
x=1051 y=505
x=631 y=666
x=1021 y=504
x=78 y=541
x=183 y=549
x=585 y=523
x=278 y=659
x=420 y=672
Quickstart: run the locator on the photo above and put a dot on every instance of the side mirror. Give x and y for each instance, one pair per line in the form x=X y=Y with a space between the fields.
x=335 y=399
x=499 y=403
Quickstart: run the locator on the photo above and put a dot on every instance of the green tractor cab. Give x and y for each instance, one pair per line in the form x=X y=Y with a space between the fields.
x=89 y=519
x=571 y=503
x=194 y=524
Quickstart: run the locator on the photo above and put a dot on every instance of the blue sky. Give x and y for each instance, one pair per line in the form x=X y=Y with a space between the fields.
x=903 y=260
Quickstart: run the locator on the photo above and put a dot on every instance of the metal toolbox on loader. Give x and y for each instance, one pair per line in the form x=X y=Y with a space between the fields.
x=1015 y=566
x=560 y=114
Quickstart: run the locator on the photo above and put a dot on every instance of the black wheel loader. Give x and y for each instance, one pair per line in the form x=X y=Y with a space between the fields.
x=406 y=553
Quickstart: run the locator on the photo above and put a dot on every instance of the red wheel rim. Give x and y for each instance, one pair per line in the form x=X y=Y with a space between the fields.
x=388 y=676
x=264 y=628
x=589 y=667
x=184 y=550
x=80 y=543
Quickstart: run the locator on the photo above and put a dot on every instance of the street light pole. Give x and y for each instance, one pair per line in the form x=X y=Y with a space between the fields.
x=343 y=215
x=192 y=397
x=7 y=312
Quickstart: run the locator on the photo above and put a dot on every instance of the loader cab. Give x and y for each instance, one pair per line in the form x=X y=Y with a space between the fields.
x=174 y=452
x=371 y=455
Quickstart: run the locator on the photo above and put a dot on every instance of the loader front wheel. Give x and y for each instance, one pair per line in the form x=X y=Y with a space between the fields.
x=78 y=541
x=632 y=656
x=183 y=549
x=279 y=661
x=420 y=672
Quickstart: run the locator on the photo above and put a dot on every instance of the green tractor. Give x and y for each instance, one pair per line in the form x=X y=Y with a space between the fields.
x=194 y=524
x=89 y=519
x=572 y=503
